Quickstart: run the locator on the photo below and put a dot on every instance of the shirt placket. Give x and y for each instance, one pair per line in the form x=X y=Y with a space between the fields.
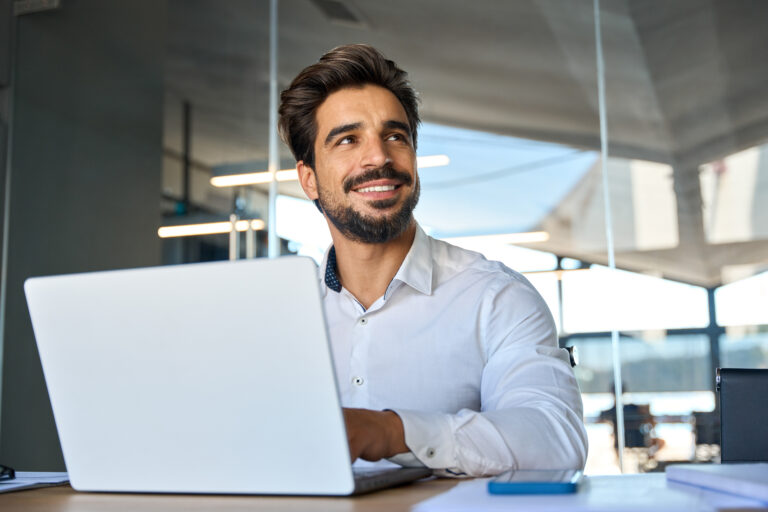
x=358 y=363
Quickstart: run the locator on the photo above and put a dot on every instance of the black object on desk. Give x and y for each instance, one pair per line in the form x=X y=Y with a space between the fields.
x=7 y=473
x=743 y=414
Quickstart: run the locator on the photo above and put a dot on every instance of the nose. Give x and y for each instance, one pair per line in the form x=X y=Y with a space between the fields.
x=375 y=153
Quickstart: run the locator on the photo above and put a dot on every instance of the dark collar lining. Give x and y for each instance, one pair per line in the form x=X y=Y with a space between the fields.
x=331 y=279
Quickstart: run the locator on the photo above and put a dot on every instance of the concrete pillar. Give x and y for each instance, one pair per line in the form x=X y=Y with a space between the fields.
x=86 y=142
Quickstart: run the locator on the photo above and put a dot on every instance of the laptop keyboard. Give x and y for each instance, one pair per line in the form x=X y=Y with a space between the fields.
x=369 y=479
x=371 y=472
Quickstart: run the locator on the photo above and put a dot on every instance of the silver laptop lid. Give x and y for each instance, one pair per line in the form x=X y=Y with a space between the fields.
x=203 y=378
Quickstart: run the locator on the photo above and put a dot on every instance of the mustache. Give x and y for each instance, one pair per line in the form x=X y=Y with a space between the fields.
x=386 y=172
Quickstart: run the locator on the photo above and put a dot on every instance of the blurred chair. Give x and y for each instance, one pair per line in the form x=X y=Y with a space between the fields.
x=706 y=433
x=743 y=414
x=639 y=435
x=638 y=426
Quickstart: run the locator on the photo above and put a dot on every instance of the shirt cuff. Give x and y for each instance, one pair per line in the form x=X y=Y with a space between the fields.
x=429 y=437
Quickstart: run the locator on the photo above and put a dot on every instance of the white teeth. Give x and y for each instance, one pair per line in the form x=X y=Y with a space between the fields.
x=382 y=188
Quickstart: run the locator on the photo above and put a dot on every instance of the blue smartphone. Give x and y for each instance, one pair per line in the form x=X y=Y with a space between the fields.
x=541 y=481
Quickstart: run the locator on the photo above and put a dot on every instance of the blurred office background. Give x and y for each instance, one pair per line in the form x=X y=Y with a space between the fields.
x=116 y=116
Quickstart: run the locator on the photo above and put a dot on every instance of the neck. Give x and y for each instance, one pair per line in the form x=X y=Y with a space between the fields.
x=366 y=270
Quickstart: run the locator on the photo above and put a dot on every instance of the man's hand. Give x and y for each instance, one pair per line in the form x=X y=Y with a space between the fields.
x=374 y=435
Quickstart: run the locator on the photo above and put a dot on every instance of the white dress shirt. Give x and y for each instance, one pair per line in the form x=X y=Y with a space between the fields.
x=465 y=351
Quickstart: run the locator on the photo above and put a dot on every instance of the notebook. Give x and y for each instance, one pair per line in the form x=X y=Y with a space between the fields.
x=201 y=378
x=749 y=480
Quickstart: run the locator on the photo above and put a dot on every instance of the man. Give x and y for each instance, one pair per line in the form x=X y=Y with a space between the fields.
x=443 y=358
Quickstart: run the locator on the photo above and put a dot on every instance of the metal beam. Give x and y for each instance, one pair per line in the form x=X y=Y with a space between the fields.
x=274 y=157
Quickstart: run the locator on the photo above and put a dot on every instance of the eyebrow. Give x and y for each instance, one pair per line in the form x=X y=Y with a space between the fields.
x=341 y=129
x=398 y=125
x=389 y=125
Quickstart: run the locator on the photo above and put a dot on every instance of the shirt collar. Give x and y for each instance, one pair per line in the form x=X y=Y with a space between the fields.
x=415 y=271
x=331 y=277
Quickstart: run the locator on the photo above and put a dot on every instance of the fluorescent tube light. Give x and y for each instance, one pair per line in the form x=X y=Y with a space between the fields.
x=507 y=238
x=256 y=178
x=209 y=228
x=422 y=162
x=253 y=178
x=558 y=273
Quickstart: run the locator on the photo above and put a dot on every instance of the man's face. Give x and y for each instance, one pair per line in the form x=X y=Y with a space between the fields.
x=365 y=165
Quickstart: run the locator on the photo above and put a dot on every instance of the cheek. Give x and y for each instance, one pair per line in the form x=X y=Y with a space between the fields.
x=405 y=158
x=335 y=170
x=327 y=184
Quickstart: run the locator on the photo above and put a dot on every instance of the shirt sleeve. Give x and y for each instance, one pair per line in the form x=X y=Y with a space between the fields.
x=531 y=410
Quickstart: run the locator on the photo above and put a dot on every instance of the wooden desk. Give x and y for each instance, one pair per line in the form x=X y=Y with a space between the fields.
x=64 y=498
x=628 y=493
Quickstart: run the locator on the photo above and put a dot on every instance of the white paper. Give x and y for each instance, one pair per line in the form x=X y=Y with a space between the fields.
x=639 y=493
x=32 y=479
x=749 y=480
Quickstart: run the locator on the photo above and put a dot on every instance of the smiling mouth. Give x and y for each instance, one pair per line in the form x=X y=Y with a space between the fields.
x=371 y=181
x=380 y=196
x=377 y=188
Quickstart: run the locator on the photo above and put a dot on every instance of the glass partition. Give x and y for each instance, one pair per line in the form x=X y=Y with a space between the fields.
x=216 y=108
x=510 y=104
x=686 y=102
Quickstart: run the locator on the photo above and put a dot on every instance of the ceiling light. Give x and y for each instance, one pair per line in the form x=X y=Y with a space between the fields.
x=422 y=162
x=253 y=178
x=209 y=228
x=557 y=273
x=503 y=239
x=256 y=178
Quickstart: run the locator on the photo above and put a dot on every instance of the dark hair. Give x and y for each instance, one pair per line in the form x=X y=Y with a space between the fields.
x=353 y=65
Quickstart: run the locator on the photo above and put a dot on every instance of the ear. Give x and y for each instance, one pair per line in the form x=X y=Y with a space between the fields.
x=307 y=179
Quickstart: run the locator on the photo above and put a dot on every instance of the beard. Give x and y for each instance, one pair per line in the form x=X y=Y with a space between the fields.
x=363 y=228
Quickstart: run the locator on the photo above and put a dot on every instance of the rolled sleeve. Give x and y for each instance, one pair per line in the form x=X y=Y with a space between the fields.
x=430 y=438
x=531 y=414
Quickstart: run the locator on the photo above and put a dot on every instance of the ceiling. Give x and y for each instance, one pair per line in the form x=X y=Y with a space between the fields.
x=686 y=84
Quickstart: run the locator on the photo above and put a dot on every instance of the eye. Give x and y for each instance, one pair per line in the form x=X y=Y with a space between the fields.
x=349 y=139
x=397 y=137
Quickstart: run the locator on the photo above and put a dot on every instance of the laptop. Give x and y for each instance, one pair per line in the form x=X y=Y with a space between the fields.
x=200 y=378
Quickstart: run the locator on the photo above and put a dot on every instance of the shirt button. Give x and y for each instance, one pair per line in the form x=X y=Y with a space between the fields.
x=363 y=321
x=358 y=381
x=430 y=452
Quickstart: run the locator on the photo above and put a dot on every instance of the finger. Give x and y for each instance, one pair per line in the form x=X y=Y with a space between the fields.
x=354 y=450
